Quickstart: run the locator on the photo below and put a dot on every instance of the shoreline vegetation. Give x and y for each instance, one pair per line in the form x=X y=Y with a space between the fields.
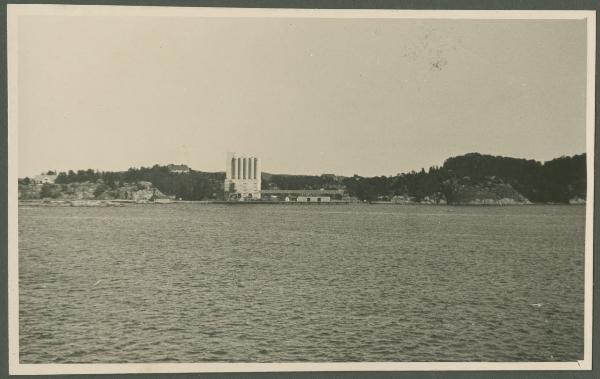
x=471 y=179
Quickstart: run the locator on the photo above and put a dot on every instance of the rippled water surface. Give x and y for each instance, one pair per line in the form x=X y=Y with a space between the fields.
x=195 y=283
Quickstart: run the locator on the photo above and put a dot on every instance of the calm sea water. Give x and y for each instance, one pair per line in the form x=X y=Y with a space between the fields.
x=196 y=283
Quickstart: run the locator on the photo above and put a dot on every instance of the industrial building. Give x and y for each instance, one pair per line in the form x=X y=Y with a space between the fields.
x=313 y=199
x=242 y=177
x=306 y=195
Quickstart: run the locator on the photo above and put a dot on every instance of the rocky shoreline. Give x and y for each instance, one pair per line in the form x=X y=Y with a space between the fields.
x=70 y=203
x=465 y=191
x=123 y=202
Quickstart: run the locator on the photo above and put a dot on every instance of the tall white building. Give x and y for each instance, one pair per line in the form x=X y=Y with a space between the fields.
x=242 y=176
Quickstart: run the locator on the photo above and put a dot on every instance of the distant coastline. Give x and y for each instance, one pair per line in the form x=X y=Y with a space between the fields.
x=471 y=179
x=122 y=203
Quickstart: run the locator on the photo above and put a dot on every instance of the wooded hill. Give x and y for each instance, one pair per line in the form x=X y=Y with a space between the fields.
x=557 y=181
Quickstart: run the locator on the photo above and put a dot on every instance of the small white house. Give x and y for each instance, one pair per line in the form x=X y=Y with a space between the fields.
x=178 y=168
x=44 y=178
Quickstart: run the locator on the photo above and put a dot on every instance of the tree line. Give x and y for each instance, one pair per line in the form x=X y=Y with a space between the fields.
x=307 y=182
x=557 y=180
x=194 y=185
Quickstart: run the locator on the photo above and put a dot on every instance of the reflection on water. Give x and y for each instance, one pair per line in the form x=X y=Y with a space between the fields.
x=196 y=283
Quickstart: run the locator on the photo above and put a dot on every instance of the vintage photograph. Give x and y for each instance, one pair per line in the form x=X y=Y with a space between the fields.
x=220 y=189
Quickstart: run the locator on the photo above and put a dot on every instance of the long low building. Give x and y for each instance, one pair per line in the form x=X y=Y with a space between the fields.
x=320 y=192
x=313 y=199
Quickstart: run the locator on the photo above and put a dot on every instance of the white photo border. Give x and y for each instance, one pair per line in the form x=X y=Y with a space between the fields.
x=16 y=11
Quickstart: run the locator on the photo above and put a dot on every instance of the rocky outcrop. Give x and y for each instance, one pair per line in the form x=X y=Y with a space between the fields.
x=93 y=203
x=403 y=199
x=494 y=201
x=71 y=203
x=491 y=191
x=432 y=199
x=435 y=198
x=29 y=191
x=138 y=192
x=78 y=191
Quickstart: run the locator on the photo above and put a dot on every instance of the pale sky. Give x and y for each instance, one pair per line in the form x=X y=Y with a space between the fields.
x=308 y=96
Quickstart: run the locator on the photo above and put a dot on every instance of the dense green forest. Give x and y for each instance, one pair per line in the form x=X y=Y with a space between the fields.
x=556 y=181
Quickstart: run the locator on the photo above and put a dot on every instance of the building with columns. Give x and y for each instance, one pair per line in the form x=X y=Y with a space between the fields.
x=242 y=177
